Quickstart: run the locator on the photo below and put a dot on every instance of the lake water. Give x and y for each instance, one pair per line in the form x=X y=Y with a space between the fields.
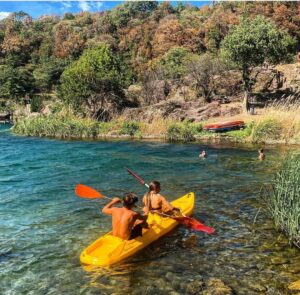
x=44 y=226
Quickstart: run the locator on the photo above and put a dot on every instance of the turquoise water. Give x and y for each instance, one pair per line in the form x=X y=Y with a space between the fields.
x=44 y=227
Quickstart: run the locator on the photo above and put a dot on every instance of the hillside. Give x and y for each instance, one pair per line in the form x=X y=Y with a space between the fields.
x=145 y=60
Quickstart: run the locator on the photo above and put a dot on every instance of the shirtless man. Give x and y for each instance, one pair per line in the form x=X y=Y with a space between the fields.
x=126 y=223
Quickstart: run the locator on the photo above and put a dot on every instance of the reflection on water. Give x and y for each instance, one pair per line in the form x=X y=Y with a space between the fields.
x=44 y=227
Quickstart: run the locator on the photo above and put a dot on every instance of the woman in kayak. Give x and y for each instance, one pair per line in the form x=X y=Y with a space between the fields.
x=126 y=223
x=155 y=202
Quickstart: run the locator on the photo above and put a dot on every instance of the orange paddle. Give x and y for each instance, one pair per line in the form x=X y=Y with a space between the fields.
x=84 y=191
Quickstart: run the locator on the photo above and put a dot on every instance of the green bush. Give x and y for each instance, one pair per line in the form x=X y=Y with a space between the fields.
x=181 y=132
x=197 y=128
x=242 y=133
x=282 y=198
x=130 y=128
x=266 y=130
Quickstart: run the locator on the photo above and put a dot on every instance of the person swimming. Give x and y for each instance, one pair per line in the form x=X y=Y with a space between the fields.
x=203 y=154
x=261 y=154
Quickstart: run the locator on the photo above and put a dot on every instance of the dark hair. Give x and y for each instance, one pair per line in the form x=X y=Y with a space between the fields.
x=154 y=186
x=261 y=150
x=129 y=200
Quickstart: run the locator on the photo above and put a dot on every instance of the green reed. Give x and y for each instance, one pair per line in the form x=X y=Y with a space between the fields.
x=282 y=198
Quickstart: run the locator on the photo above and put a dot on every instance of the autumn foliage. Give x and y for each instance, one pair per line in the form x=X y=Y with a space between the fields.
x=140 y=33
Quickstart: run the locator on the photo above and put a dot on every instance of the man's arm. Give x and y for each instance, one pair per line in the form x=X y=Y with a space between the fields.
x=107 y=209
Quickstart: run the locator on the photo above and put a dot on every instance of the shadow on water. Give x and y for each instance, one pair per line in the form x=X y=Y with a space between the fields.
x=44 y=227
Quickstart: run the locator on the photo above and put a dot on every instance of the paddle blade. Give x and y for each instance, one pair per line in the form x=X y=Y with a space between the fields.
x=194 y=224
x=85 y=191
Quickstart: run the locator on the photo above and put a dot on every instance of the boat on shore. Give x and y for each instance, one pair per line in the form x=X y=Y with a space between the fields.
x=224 y=126
x=108 y=249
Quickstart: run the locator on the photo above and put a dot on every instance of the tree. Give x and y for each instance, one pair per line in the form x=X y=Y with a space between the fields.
x=172 y=63
x=204 y=69
x=94 y=82
x=15 y=82
x=253 y=42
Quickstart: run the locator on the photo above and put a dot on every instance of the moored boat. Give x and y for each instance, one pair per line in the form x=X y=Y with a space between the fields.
x=224 y=126
x=109 y=249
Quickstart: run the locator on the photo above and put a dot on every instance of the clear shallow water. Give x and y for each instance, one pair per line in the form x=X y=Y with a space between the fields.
x=44 y=227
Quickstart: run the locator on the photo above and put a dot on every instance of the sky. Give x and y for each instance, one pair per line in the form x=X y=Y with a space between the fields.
x=38 y=8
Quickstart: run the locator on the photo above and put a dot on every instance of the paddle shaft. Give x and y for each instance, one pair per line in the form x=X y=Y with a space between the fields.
x=140 y=180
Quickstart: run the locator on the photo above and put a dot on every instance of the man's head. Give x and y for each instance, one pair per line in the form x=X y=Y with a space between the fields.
x=129 y=200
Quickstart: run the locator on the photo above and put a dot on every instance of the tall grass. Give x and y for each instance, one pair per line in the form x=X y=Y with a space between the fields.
x=61 y=127
x=279 y=122
x=282 y=198
x=157 y=128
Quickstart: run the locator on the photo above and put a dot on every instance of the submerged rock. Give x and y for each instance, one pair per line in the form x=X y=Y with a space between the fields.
x=217 y=287
x=194 y=287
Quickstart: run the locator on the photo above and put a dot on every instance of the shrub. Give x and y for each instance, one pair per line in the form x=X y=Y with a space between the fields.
x=181 y=132
x=242 y=133
x=282 y=198
x=130 y=128
x=173 y=132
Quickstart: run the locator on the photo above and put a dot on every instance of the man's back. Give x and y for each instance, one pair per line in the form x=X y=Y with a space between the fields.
x=123 y=220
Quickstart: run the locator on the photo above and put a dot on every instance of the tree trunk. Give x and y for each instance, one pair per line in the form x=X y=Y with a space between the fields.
x=247 y=89
x=246 y=102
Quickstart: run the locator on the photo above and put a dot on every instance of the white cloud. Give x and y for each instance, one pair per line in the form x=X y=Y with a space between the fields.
x=90 y=5
x=66 y=4
x=4 y=14
x=84 y=5
x=98 y=4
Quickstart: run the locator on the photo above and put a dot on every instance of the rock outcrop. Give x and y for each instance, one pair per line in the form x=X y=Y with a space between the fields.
x=178 y=99
x=195 y=111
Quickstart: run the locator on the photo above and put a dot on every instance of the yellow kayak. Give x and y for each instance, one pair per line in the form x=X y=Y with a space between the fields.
x=109 y=249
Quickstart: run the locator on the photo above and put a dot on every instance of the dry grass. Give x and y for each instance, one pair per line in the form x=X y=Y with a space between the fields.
x=279 y=122
x=283 y=119
x=158 y=127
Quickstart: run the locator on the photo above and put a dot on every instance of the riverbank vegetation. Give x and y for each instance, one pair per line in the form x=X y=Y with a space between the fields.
x=279 y=123
x=282 y=198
